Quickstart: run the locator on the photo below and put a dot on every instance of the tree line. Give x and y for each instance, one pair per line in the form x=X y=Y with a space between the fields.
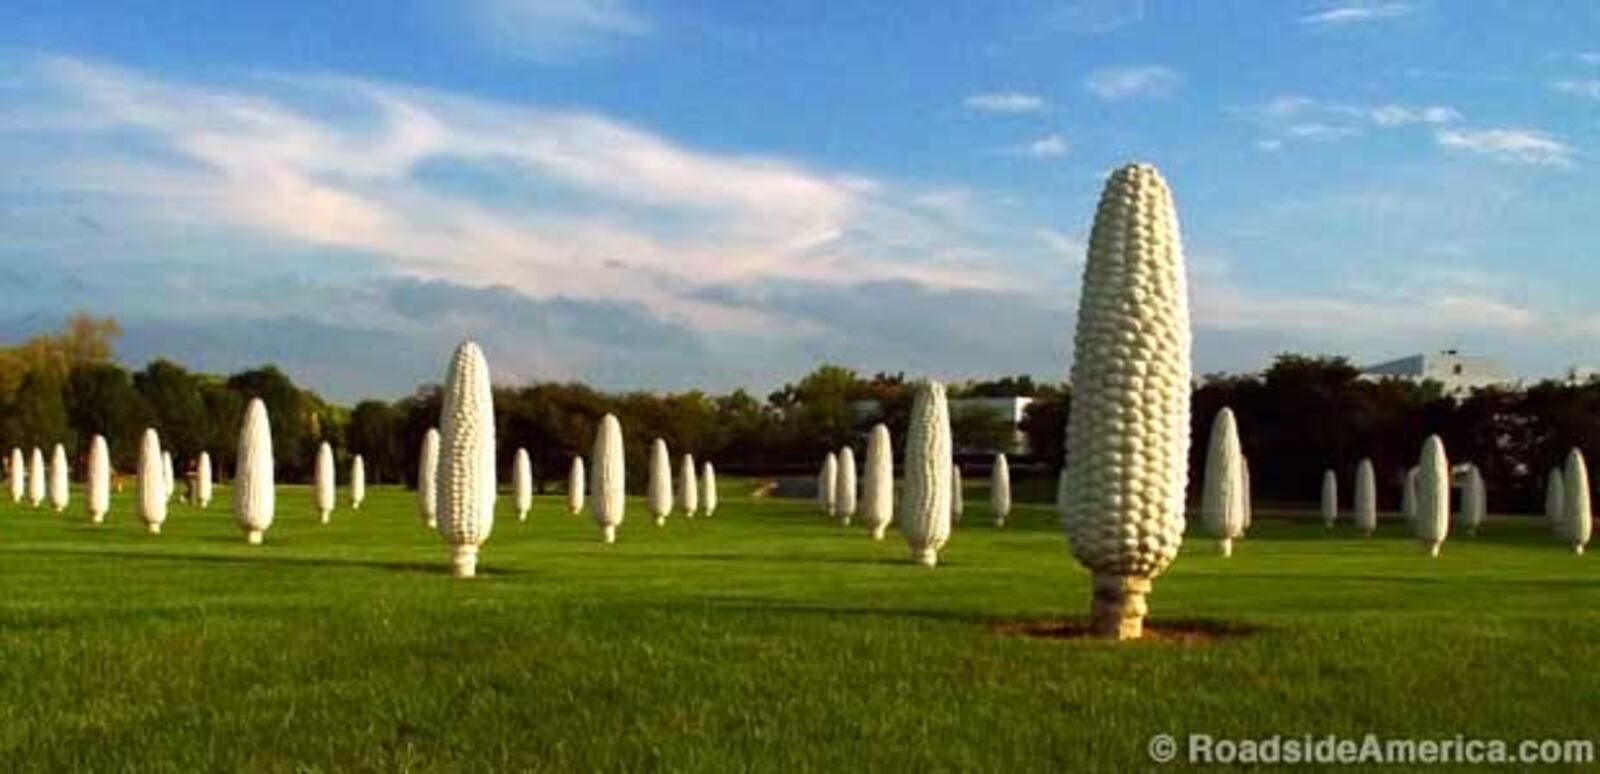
x=1299 y=417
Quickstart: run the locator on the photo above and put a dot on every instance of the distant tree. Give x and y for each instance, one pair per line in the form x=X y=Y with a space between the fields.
x=224 y=417
x=1044 y=423
x=1020 y=386
x=374 y=433
x=173 y=395
x=977 y=429
x=101 y=399
x=816 y=411
x=419 y=412
x=37 y=414
x=287 y=409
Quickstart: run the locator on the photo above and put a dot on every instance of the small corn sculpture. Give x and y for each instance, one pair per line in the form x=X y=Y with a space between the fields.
x=325 y=483
x=1222 y=499
x=152 y=483
x=99 y=499
x=708 y=482
x=358 y=482
x=203 y=483
x=877 y=486
x=1366 y=503
x=924 y=507
x=254 y=497
x=1575 y=502
x=60 y=480
x=688 y=487
x=1432 y=501
x=577 y=483
x=608 y=483
x=659 y=494
x=844 y=486
x=466 y=485
x=428 y=478
x=1000 y=489
x=522 y=483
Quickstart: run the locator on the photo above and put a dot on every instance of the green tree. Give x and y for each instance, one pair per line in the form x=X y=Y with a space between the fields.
x=289 y=412
x=173 y=395
x=101 y=398
x=37 y=414
x=374 y=433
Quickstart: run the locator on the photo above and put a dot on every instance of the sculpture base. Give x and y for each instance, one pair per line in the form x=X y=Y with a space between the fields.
x=1118 y=608
x=464 y=562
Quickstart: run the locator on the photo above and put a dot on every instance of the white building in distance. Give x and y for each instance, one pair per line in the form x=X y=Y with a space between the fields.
x=1459 y=374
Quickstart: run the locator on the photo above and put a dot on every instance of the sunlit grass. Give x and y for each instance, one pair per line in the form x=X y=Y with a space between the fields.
x=765 y=638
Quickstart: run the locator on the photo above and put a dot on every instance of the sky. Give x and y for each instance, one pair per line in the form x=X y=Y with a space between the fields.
x=654 y=195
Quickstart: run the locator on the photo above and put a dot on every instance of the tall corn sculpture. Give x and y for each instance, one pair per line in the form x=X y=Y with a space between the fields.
x=1128 y=432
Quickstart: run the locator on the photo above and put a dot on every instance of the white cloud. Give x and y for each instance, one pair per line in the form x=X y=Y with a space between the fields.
x=1316 y=131
x=1357 y=13
x=1006 y=102
x=1286 y=106
x=1589 y=57
x=1513 y=146
x=1047 y=147
x=554 y=30
x=1062 y=245
x=1289 y=118
x=1581 y=88
x=1432 y=302
x=1400 y=115
x=1124 y=83
x=582 y=206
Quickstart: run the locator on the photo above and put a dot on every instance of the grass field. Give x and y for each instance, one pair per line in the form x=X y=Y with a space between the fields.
x=763 y=639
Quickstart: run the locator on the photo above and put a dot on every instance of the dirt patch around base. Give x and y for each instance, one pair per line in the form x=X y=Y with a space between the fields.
x=1194 y=632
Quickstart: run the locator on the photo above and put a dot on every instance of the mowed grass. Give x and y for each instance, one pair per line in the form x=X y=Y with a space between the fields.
x=765 y=638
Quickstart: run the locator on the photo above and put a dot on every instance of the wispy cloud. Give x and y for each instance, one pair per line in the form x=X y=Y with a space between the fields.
x=1512 y=146
x=1400 y=115
x=1006 y=102
x=1118 y=84
x=555 y=30
x=1091 y=17
x=1292 y=117
x=1357 y=13
x=1047 y=147
x=1063 y=246
x=583 y=206
x=1320 y=132
x=1583 y=87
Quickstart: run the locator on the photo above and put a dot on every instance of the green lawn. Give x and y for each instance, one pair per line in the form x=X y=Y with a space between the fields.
x=762 y=639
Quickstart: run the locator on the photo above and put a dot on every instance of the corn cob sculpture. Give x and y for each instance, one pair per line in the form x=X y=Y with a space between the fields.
x=1128 y=430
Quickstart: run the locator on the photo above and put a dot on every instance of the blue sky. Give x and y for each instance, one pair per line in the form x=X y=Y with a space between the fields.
x=717 y=194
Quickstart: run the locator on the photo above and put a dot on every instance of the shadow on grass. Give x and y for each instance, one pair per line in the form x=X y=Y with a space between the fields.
x=1196 y=631
x=1188 y=631
x=778 y=558
x=441 y=567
